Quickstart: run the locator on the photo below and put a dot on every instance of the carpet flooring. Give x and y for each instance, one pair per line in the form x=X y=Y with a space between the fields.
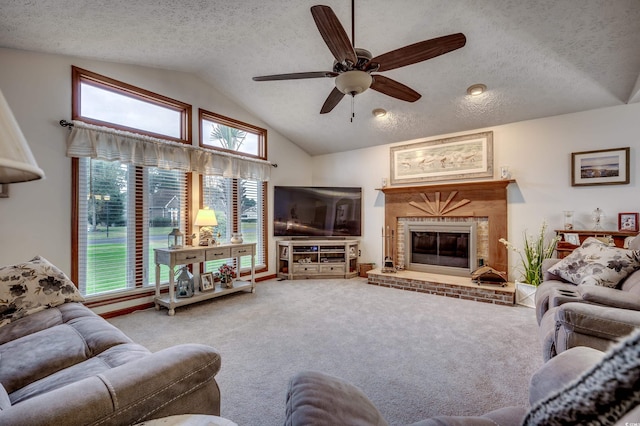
x=415 y=355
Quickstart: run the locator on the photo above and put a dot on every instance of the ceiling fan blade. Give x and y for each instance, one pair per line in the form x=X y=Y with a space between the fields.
x=296 y=76
x=394 y=89
x=419 y=52
x=333 y=34
x=334 y=98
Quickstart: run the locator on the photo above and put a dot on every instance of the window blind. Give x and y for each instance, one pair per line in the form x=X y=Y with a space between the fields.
x=124 y=213
x=104 y=219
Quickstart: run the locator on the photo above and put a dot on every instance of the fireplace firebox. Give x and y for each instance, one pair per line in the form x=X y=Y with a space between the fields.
x=441 y=247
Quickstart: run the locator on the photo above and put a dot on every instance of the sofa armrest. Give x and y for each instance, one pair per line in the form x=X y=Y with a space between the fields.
x=609 y=296
x=315 y=398
x=177 y=380
x=576 y=321
x=559 y=371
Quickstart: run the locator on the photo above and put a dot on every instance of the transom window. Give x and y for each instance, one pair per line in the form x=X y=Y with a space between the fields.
x=226 y=134
x=107 y=102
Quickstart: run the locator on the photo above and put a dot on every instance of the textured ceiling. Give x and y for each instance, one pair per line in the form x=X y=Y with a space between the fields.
x=538 y=57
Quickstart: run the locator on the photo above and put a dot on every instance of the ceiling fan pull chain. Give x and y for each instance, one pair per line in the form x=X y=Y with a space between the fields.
x=353 y=114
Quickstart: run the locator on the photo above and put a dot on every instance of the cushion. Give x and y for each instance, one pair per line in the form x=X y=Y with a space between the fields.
x=602 y=395
x=597 y=263
x=33 y=286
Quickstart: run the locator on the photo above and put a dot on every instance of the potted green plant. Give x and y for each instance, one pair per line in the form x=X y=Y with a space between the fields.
x=536 y=249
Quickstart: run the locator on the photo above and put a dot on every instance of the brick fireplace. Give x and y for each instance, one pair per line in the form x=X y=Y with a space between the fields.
x=481 y=202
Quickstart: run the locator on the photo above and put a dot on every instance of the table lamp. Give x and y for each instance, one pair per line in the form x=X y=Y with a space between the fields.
x=17 y=163
x=206 y=220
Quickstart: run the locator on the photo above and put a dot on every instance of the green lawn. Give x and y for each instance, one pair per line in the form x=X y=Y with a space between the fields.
x=106 y=257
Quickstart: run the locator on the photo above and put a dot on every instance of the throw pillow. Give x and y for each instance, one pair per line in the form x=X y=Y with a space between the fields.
x=600 y=396
x=33 y=286
x=597 y=263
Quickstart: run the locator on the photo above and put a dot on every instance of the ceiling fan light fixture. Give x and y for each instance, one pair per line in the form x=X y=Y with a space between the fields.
x=379 y=112
x=353 y=82
x=476 y=89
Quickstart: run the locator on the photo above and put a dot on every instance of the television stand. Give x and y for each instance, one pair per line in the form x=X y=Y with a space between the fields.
x=301 y=259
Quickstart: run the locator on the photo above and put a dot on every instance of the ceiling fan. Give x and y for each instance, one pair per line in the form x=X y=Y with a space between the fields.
x=353 y=67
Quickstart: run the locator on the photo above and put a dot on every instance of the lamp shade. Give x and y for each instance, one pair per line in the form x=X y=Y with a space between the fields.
x=206 y=217
x=17 y=163
x=353 y=82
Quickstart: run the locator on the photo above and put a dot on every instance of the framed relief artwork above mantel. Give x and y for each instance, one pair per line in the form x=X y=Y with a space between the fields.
x=460 y=157
x=601 y=167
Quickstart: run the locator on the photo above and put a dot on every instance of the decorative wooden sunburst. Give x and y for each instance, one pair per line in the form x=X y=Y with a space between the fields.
x=438 y=207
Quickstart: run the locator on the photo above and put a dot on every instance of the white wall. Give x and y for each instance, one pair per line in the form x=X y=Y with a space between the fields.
x=36 y=219
x=538 y=153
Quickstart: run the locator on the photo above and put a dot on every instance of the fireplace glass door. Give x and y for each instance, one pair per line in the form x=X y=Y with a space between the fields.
x=446 y=248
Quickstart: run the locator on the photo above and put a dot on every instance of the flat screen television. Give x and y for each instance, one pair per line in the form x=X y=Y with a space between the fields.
x=303 y=211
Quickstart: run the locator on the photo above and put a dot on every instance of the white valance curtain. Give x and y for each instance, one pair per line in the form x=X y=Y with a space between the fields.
x=104 y=143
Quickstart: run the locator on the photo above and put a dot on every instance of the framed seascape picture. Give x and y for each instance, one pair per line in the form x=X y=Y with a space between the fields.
x=461 y=157
x=602 y=167
x=206 y=281
x=628 y=222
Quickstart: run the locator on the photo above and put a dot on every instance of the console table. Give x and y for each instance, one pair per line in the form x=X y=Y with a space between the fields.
x=193 y=255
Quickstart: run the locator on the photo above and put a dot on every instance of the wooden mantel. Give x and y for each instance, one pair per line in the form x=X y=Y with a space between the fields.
x=457 y=186
x=475 y=199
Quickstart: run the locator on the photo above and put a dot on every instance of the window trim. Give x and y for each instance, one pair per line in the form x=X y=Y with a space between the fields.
x=228 y=121
x=79 y=75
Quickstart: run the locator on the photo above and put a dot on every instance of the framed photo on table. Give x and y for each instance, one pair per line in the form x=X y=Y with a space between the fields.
x=206 y=281
x=628 y=222
x=572 y=238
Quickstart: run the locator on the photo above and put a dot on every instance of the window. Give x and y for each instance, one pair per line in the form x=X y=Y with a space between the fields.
x=101 y=100
x=121 y=211
x=239 y=204
x=226 y=134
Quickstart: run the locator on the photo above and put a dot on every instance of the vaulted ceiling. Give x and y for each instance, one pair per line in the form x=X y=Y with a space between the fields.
x=538 y=58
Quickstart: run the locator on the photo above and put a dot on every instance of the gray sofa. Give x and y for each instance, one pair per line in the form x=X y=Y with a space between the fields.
x=579 y=386
x=572 y=314
x=65 y=365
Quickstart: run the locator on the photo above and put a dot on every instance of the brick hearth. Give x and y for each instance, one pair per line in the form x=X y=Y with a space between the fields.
x=443 y=285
